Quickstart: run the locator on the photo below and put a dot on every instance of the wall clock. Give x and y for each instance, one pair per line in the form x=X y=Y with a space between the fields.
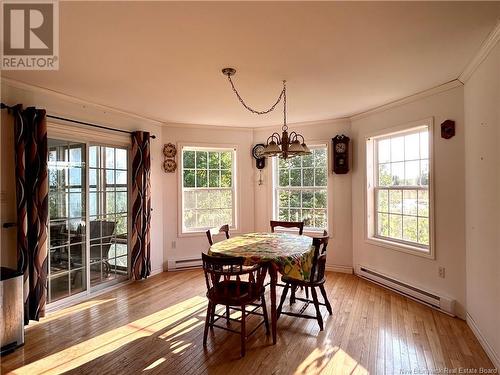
x=169 y=165
x=258 y=154
x=341 y=154
x=169 y=150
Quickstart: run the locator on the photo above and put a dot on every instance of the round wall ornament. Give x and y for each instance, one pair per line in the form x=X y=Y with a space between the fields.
x=169 y=150
x=169 y=165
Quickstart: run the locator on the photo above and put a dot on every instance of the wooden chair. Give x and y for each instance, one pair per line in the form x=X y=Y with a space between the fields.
x=226 y=287
x=316 y=280
x=294 y=288
x=288 y=224
x=214 y=231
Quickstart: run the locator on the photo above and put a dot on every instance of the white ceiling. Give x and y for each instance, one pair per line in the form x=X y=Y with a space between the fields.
x=162 y=60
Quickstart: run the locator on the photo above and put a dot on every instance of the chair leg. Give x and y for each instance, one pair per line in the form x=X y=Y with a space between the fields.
x=307 y=292
x=243 y=330
x=283 y=297
x=327 y=303
x=207 y=323
x=212 y=317
x=292 y=294
x=227 y=315
x=316 y=305
x=264 y=312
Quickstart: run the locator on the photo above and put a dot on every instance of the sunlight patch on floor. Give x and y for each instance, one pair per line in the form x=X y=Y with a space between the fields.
x=158 y=362
x=79 y=354
x=70 y=310
x=331 y=360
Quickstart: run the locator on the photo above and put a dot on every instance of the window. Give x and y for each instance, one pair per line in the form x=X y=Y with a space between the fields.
x=400 y=179
x=208 y=188
x=300 y=189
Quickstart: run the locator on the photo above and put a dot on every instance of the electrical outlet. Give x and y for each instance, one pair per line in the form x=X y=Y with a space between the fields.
x=174 y=244
x=442 y=272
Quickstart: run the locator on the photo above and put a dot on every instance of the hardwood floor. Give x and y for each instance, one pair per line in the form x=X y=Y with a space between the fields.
x=156 y=327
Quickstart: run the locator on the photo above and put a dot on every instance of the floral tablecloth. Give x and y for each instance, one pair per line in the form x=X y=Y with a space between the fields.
x=291 y=254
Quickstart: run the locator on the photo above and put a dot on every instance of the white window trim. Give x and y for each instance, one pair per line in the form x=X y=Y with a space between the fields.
x=236 y=183
x=369 y=196
x=329 y=204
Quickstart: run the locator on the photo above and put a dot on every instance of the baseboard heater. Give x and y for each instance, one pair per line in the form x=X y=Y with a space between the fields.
x=183 y=264
x=442 y=303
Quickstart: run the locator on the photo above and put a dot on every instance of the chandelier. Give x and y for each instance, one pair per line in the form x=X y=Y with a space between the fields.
x=284 y=145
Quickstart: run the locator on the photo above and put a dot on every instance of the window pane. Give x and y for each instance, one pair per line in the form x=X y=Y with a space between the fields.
x=110 y=157
x=283 y=214
x=423 y=203
x=320 y=158
x=411 y=173
x=398 y=173
x=307 y=199
x=384 y=175
x=295 y=199
x=226 y=160
x=320 y=220
x=410 y=202
x=307 y=217
x=397 y=149
x=383 y=225
x=295 y=177
x=383 y=201
x=308 y=160
x=201 y=178
x=423 y=231
x=410 y=228
x=395 y=226
x=226 y=180
x=93 y=156
x=188 y=159
x=201 y=160
x=213 y=178
x=308 y=177
x=283 y=198
x=424 y=173
x=189 y=178
x=412 y=147
x=295 y=214
x=320 y=199
x=121 y=177
x=320 y=177
x=203 y=199
x=395 y=201
x=384 y=151
x=110 y=177
x=121 y=158
x=214 y=160
x=284 y=177
x=189 y=218
x=121 y=201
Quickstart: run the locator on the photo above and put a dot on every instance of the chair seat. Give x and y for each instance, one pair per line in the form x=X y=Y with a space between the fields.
x=225 y=293
x=291 y=280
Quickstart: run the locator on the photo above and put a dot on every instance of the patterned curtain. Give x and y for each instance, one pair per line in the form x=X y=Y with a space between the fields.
x=30 y=129
x=141 y=205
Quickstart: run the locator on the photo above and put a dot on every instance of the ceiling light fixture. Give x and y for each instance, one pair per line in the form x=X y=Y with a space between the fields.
x=284 y=146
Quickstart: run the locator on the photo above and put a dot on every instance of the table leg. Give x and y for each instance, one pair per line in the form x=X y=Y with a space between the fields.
x=273 y=274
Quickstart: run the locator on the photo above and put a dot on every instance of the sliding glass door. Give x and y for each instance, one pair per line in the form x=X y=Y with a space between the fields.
x=88 y=242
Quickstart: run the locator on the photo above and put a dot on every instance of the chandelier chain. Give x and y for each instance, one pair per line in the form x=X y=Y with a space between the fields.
x=280 y=97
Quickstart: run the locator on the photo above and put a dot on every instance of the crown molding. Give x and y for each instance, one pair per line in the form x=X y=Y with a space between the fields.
x=308 y=124
x=74 y=100
x=485 y=49
x=408 y=99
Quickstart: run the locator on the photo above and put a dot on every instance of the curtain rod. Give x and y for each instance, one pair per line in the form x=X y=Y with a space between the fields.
x=3 y=105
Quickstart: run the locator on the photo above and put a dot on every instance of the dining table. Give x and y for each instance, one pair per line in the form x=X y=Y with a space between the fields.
x=285 y=253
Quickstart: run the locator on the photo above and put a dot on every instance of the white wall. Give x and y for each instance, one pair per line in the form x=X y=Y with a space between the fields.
x=482 y=197
x=62 y=105
x=339 y=255
x=189 y=246
x=448 y=191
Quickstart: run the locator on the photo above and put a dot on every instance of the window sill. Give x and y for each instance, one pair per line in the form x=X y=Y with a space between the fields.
x=203 y=233
x=408 y=249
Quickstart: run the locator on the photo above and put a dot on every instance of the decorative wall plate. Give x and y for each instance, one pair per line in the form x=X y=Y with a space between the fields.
x=169 y=165
x=169 y=150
